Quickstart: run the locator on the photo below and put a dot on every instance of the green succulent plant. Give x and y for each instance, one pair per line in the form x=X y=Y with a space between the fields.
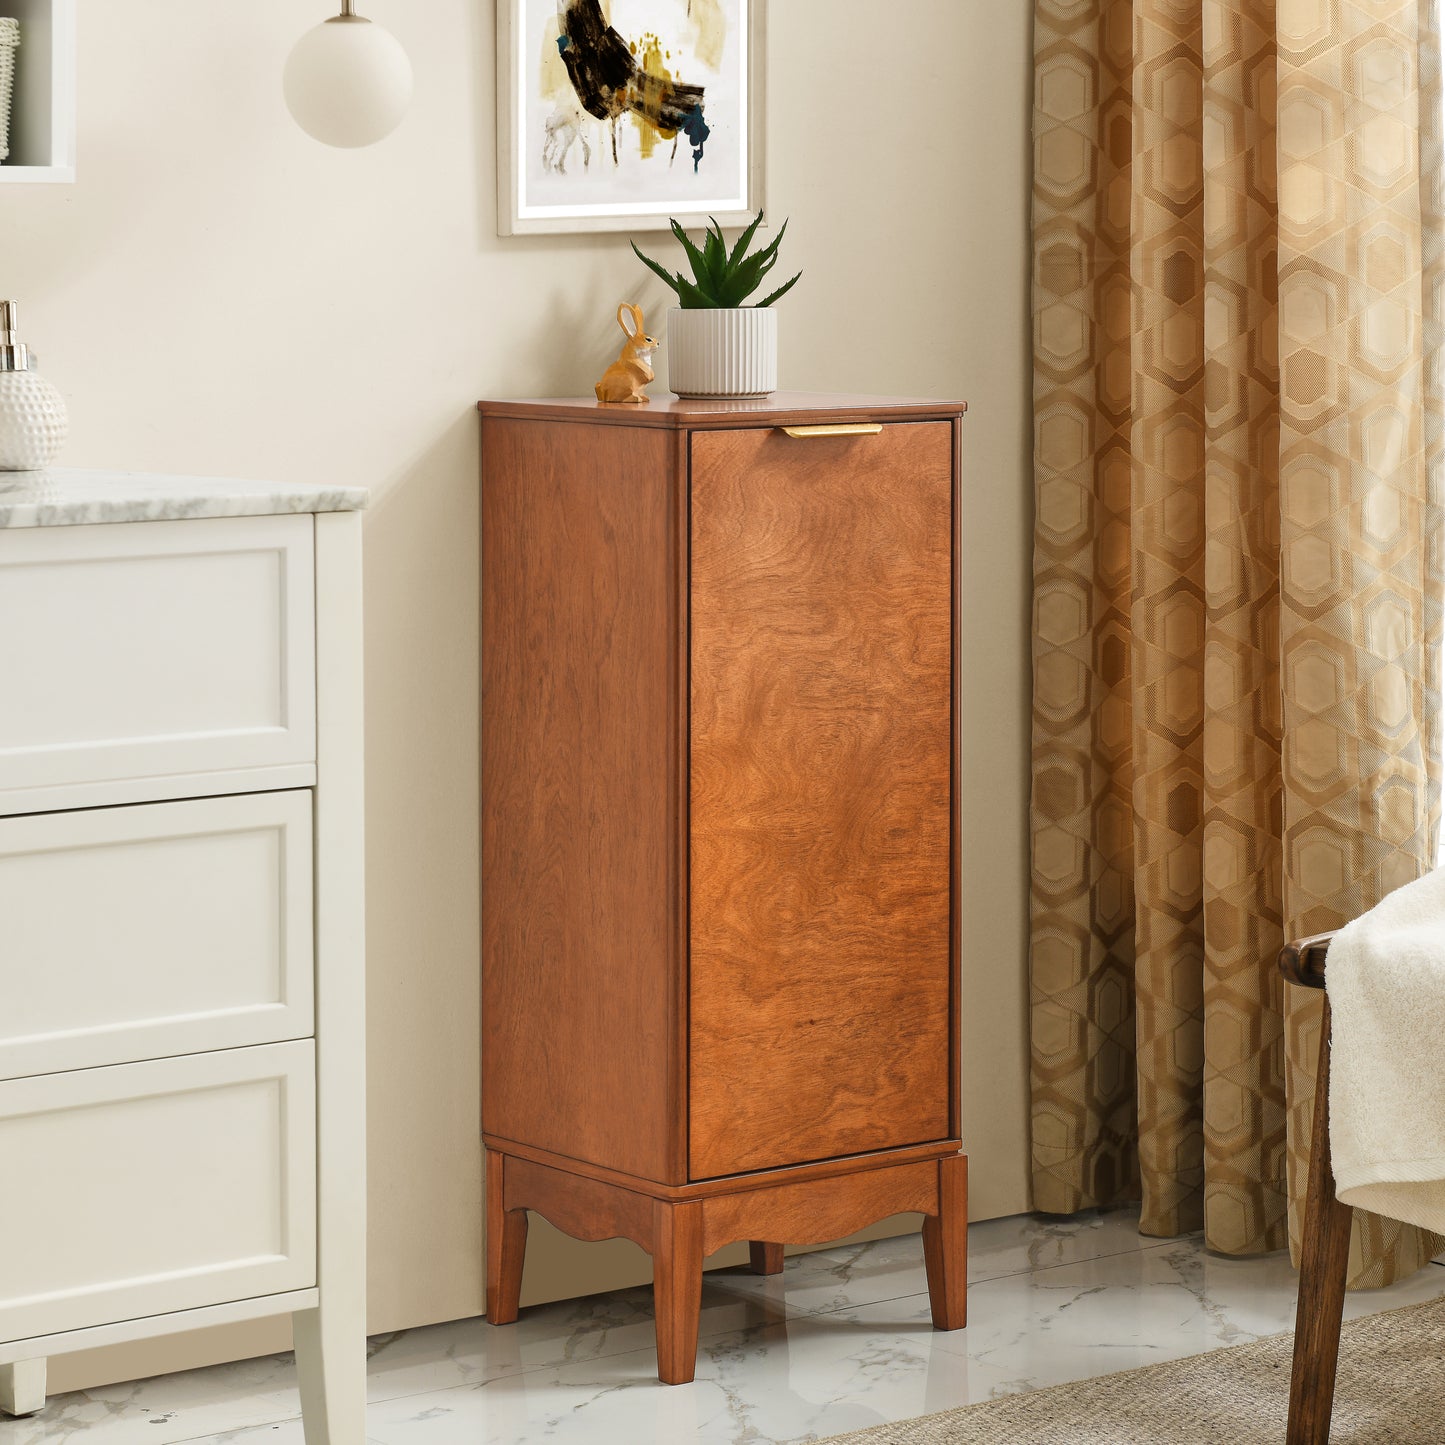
x=722 y=278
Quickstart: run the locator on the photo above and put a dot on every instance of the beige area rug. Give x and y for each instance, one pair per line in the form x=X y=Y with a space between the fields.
x=1391 y=1391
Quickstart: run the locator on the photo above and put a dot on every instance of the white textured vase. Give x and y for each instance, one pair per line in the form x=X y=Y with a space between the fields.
x=33 y=423
x=730 y=353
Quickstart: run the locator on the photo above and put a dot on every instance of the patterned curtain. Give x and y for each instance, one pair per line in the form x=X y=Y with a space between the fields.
x=1239 y=561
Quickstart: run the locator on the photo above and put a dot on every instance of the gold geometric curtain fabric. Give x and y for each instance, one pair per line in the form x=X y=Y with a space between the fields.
x=1238 y=570
x=1362 y=281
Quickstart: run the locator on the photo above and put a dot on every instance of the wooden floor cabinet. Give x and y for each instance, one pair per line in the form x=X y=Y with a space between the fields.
x=720 y=836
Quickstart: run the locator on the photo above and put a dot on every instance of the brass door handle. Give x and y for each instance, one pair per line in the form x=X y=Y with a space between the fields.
x=837 y=429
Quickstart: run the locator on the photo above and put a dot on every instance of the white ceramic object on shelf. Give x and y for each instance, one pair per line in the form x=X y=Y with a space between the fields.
x=727 y=353
x=9 y=43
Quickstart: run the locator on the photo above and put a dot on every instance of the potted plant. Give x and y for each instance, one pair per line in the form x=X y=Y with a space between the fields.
x=716 y=345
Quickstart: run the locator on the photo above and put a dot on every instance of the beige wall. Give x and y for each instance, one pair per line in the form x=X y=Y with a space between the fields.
x=220 y=294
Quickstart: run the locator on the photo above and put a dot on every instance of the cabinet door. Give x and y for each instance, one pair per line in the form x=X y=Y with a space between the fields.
x=821 y=795
x=153 y=650
x=147 y=1188
x=173 y=928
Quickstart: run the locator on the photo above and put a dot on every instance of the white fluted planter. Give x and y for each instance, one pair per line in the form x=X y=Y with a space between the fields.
x=730 y=353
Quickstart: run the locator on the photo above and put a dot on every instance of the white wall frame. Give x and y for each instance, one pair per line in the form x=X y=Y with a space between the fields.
x=42 y=124
x=510 y=139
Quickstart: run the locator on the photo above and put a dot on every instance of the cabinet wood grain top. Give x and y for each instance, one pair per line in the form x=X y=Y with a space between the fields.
x=796 y=408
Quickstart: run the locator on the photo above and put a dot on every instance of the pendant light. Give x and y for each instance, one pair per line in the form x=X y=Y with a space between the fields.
x=347 y=81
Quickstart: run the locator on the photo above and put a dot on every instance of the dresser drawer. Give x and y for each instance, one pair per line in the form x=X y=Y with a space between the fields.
x=152 y=650
x=147 y=1188
x=171 y=928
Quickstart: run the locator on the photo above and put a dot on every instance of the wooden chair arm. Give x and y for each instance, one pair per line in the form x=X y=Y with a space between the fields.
x=1303 y=961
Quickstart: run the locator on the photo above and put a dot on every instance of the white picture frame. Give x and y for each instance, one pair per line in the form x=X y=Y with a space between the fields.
x=531 y=193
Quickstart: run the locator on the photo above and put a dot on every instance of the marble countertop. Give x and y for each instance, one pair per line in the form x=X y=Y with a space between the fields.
x=70 y=497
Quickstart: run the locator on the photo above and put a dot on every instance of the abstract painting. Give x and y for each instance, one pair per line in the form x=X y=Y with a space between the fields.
x=618 y=114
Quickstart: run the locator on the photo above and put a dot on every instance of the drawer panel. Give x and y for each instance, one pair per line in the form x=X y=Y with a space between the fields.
x=134 y=933
x=821 y=795
x=155 y=649
x=147 y=1188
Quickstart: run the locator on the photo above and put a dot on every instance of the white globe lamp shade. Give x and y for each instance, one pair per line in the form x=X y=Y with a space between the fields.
x=348 y=81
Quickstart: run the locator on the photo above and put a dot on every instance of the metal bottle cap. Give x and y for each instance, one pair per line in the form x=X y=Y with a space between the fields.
x=14 y=354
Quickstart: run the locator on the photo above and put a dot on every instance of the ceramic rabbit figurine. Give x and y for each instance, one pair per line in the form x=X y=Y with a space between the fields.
x=625 y=379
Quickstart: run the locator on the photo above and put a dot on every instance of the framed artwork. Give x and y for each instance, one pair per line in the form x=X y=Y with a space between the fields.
x=616 y=114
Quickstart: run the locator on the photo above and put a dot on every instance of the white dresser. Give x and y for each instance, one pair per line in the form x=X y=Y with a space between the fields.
x=181 y=947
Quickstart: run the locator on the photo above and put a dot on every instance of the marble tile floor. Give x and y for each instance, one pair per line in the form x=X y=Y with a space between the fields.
x=839 y=1341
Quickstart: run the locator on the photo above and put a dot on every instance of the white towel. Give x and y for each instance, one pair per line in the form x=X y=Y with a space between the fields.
x=1386 y=981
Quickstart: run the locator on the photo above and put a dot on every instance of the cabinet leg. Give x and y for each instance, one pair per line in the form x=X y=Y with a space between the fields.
x=22 y=1387
x=677 y=1288
x=764 y=1258
x=1324 y=1269
x=506 y=1245
x=331 y=1368
x=945 y=1246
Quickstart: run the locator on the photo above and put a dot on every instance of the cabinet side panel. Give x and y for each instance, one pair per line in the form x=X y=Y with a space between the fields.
x=821 y=743
x=579 y=705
